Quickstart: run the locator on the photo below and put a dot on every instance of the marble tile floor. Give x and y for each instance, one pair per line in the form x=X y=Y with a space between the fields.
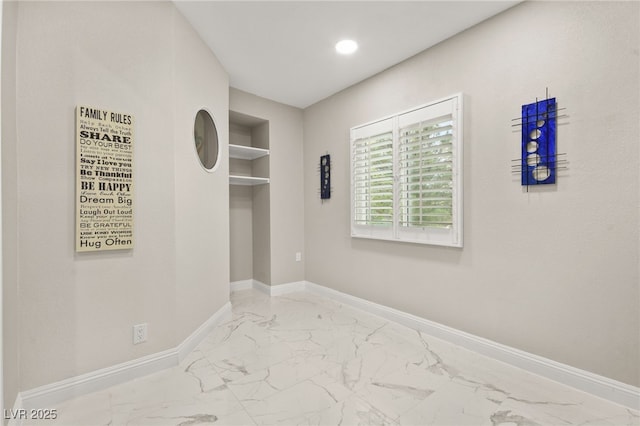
x=301 y=359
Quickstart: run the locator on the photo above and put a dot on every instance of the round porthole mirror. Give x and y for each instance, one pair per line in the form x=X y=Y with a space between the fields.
x=205 y=136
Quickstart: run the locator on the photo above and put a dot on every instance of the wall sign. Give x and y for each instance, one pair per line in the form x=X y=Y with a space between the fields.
x=104 y=179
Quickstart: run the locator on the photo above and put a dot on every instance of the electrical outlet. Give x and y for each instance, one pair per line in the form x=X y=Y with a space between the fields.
x=298 y=257
x=139 y=333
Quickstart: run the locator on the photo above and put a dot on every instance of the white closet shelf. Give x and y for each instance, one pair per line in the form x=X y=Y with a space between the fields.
x=246 y=152
x=247 y=180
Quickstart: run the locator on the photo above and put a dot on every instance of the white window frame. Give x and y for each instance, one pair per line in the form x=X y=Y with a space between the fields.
x=452 y=236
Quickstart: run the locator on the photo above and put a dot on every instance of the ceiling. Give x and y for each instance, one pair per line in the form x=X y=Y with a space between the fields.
x=284 y=51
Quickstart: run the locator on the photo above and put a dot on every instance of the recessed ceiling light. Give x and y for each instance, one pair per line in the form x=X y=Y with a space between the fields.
x=346 y=47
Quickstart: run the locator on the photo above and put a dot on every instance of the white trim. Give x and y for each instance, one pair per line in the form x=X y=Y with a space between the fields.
x=262 y=287
x=603 y=387
x=17 y=406
x=241 y=285
x=270 y=290
x=54 y=393
x=189 y=344
x=279 y=290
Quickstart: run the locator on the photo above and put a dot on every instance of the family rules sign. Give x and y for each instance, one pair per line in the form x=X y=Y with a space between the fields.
x=104 y=179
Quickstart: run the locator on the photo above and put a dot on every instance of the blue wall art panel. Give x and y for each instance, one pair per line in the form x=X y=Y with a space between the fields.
x=538 y=166
x=325 y=177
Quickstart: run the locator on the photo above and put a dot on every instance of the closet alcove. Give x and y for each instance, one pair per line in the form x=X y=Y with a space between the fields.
x=249 y=198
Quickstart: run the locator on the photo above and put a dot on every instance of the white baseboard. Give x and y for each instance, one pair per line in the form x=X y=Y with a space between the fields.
x=16 y=418
x=262 y=287
x=603 y=387
x=609 y=389
x=279 y=290
x=241 y=285
x=55 y=393
x=270 y=290
x=190 y=343
x=250 y=285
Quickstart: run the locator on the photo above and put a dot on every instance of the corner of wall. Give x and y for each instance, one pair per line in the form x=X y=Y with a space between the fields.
x=10 y=319
x=286 y=188
x=76 y=312
x=201 y=219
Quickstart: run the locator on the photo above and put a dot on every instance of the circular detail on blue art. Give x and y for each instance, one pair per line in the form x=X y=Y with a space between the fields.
x=533 y=159
x=535 y=134
x=541 y=173
x=532 y=146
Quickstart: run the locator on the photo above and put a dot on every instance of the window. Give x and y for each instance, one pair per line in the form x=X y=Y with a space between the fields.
x=406 y=176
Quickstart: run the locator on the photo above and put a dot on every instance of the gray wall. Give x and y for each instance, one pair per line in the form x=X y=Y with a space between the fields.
x=76 y=311
x=285 y=191
x=10 y=309
x=241 y=232
x=240 y=211
x=201 y=197
x=262 y=252
x=553 y=271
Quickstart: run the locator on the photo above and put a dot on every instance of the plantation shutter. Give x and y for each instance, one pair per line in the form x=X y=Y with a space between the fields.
x=372 y=179
x=426 y=173
x=407 y=176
